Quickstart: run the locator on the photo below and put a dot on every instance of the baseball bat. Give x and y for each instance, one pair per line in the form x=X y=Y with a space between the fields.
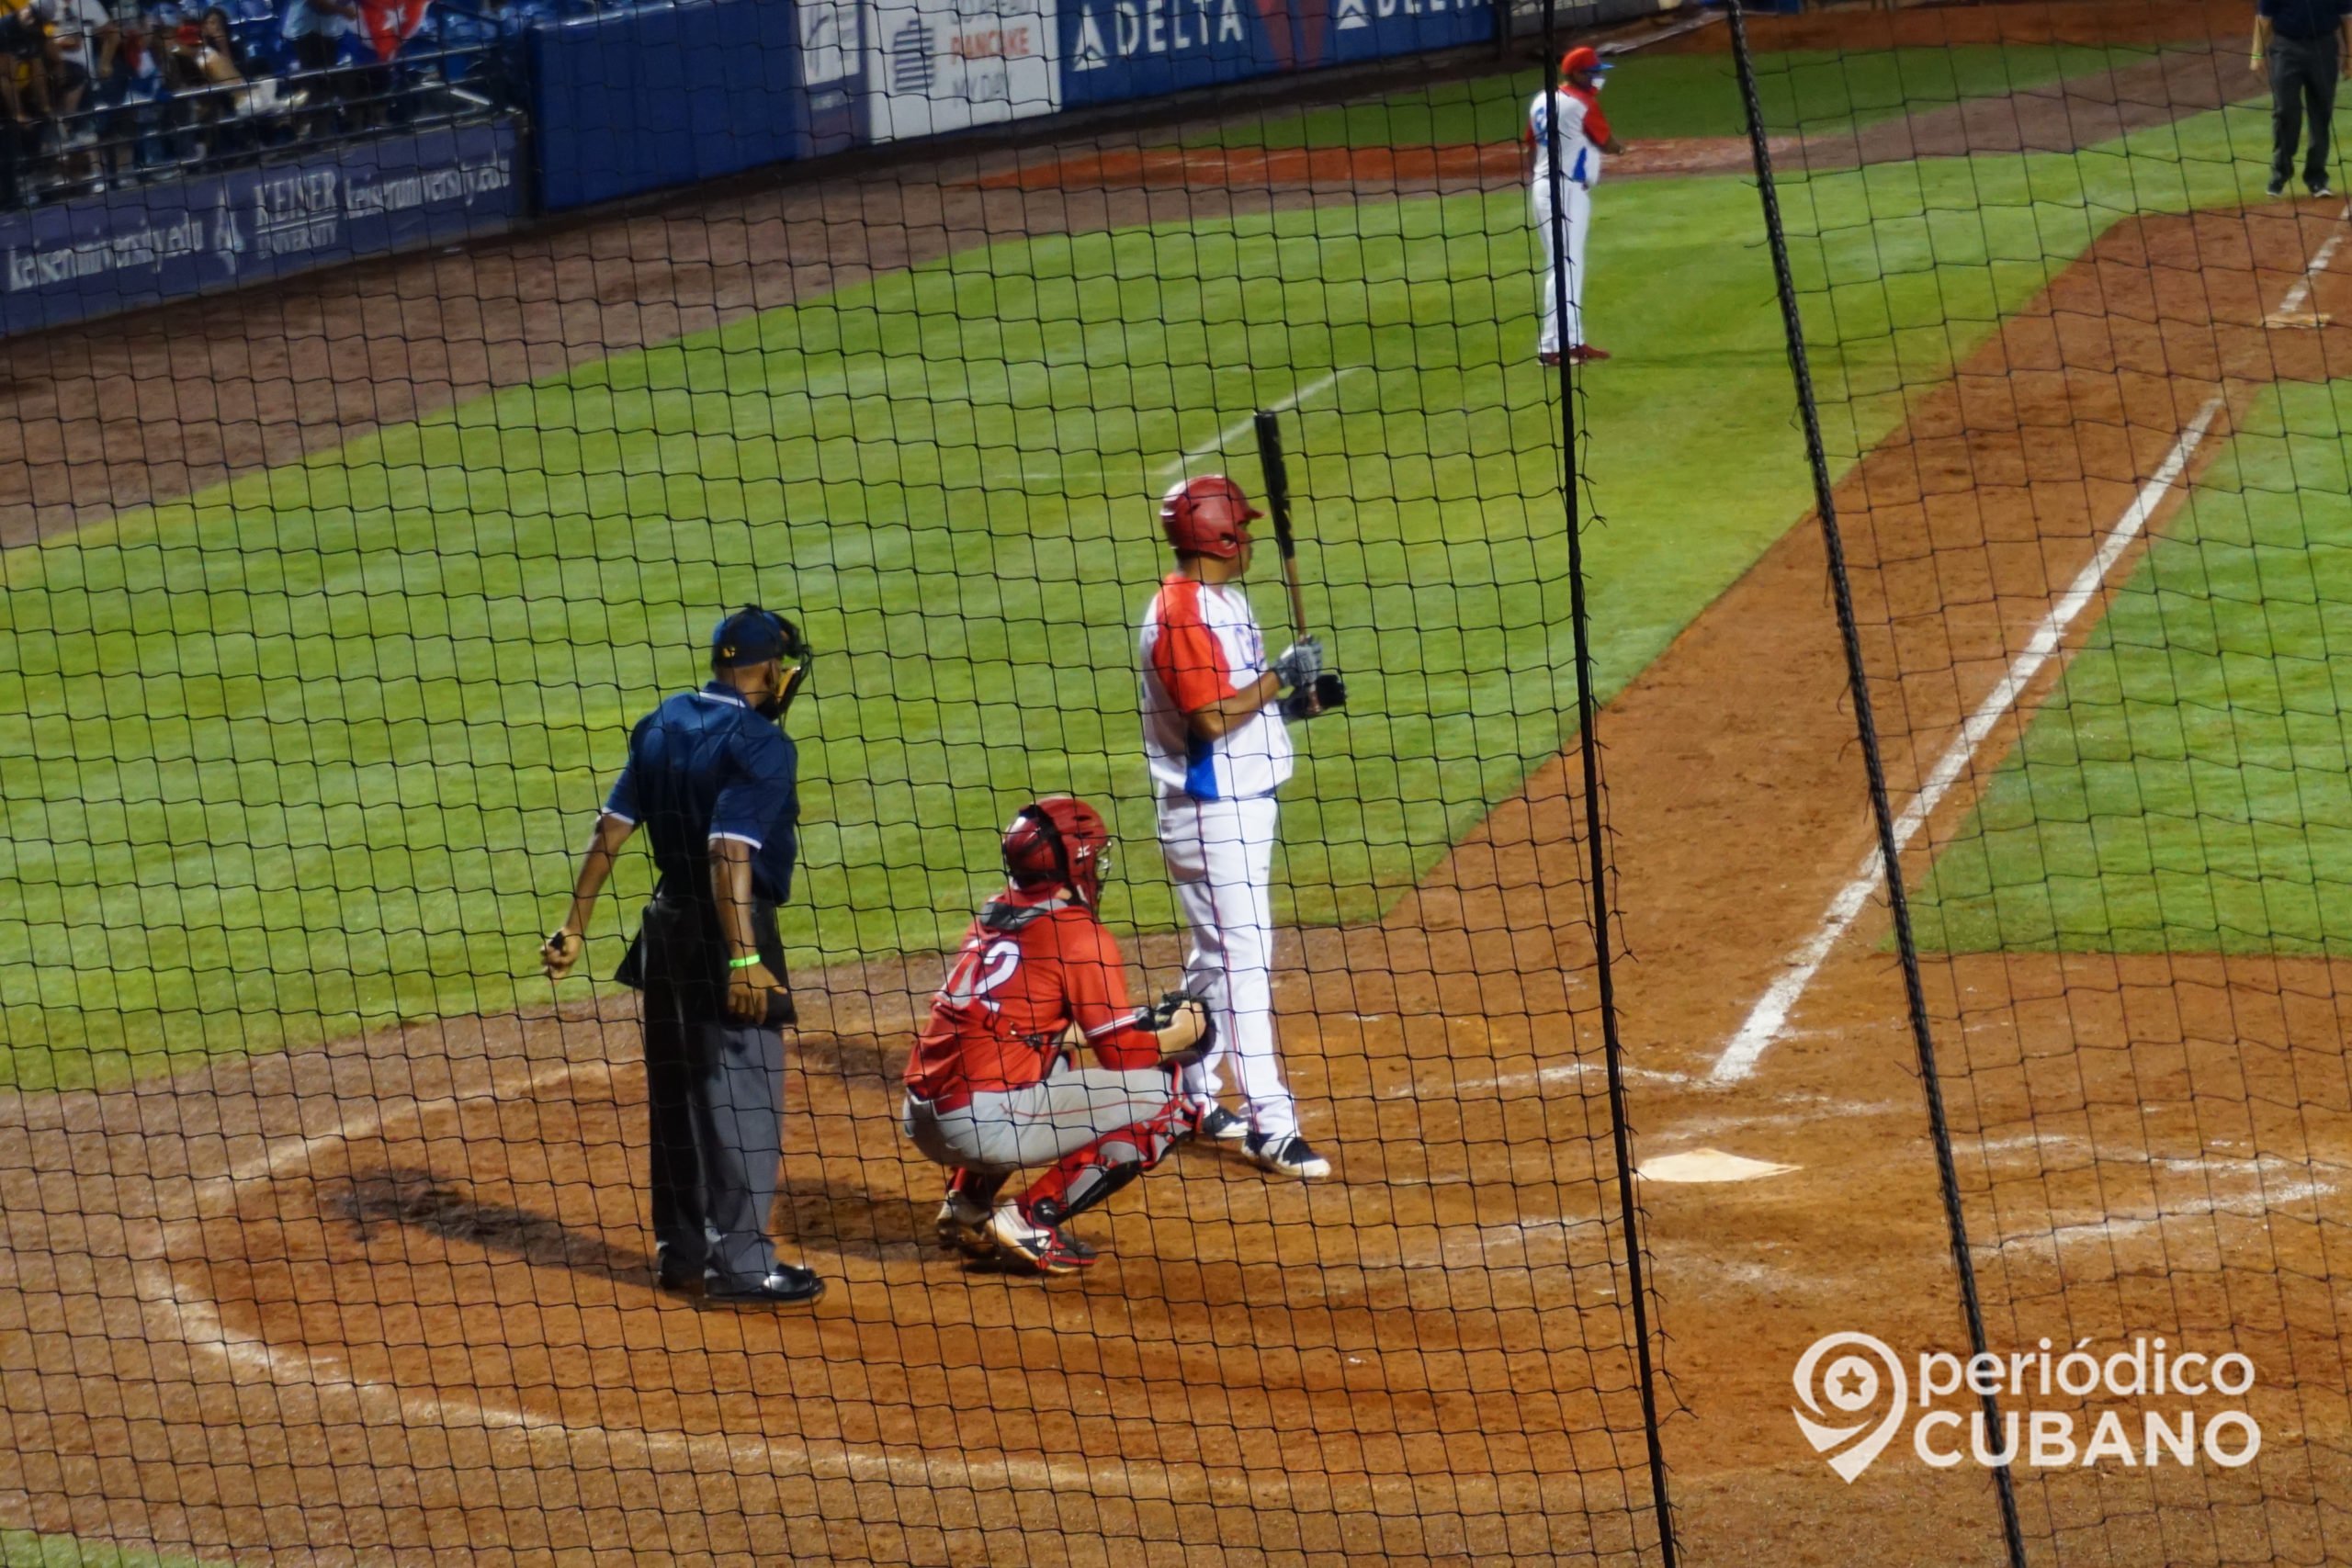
x=1269 y=458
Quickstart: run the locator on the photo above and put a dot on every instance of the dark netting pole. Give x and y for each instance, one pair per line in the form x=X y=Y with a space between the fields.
x=1866 y=729
x=1588 y=753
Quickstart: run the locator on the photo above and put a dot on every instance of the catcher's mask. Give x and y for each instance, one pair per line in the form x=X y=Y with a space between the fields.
x=754 y=635
x=1062 y=841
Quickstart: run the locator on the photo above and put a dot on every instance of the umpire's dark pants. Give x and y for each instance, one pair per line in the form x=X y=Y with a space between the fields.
x=2302 y=81
x=715 y=1092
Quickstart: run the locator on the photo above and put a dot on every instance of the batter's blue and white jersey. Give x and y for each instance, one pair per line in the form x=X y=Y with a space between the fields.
x=1200 y=645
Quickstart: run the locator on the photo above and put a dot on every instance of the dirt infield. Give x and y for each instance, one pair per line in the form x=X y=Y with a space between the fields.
x=389 y=1301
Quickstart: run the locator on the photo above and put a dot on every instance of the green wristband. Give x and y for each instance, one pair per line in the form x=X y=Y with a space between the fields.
x=743 y=963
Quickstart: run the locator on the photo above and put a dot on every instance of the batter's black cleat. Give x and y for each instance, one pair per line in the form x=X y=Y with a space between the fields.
x=785 y=1286
x=1223 y=1125
x=1285 y=1155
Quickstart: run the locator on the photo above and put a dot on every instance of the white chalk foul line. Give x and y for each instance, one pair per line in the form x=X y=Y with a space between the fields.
x=1770 y=1013
x=1241 y=427
x=2302 y=288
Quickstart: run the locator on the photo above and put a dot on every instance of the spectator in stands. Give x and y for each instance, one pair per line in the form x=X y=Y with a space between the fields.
x=127 y=75
x=215 y=67
x=316 y=29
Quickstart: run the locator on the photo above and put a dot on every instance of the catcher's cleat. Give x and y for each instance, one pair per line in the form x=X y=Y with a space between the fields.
x=1223 y=1125
x=963 y=1226
x=1287 y=1154
x=1043 y=1248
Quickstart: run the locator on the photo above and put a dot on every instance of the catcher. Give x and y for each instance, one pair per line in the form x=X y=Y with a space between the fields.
x=991 y=1086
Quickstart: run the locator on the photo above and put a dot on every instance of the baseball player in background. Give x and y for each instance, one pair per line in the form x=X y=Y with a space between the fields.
x=1214 y=734
x=992 y=1084
x=1583 y=135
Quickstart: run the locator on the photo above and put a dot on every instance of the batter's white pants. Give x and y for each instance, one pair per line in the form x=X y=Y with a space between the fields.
x=1577 y=204
x=1221 y=857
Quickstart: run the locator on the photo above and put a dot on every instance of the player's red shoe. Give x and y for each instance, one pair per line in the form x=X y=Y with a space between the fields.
x=1043 y=1248
x=1548 y=358
x=1585 y=354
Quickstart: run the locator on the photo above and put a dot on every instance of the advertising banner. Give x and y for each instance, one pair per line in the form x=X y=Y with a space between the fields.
x=1118 y=49
x=934 y=65
x=100 y=255
x=1373 y=30
x=832 y=71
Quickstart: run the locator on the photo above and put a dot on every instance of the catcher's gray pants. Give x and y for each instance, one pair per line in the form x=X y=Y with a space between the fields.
x=716 y=1094
x=1036 y=1124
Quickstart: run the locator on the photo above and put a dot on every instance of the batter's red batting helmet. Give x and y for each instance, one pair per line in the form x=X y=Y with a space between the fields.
x=1058 y=840
x=1207 y=516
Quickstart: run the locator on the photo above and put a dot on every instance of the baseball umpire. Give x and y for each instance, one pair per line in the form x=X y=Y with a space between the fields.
x=713 y=779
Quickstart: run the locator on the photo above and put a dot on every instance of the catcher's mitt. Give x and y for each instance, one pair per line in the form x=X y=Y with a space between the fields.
x=1160 y=1016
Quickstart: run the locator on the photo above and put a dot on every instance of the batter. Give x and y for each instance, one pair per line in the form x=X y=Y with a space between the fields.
x=1214 y=734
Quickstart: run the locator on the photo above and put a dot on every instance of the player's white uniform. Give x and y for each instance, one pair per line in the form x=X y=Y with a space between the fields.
x=1216 y=825
x=1582 y=129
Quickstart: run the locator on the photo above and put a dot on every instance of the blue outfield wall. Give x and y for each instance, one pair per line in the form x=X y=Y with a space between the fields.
x=96 y=256
x=639 y=100
x=636 y=100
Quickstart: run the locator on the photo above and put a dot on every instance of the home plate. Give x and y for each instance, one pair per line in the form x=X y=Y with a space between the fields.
x=2295 y=319
x=1709 y=1164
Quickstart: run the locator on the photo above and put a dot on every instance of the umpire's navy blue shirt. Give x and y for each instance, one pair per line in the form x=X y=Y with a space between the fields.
x=2304 y=21
x=705 y=765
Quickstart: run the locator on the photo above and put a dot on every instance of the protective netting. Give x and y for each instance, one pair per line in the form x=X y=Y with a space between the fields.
x=330 y=608
x=2073 y=348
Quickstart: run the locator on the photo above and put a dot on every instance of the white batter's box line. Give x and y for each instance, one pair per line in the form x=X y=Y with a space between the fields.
x=1770 y=1016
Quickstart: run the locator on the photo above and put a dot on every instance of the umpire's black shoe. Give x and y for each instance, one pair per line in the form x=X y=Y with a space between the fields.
x=673 y=1279
x=785 y=1286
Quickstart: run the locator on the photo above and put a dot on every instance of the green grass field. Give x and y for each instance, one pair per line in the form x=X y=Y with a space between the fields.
x=1656 y=96
x=385 y=688
x=24 y=1549
x=2188 y=786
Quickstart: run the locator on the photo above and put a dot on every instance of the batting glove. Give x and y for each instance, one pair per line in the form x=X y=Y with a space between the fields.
x=1300 y=662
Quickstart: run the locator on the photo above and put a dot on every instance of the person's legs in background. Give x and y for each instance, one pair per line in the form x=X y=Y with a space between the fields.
x=2286 y=110
x=2320 y=76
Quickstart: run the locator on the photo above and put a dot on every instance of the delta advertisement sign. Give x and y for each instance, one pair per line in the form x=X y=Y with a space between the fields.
x=1118 y=50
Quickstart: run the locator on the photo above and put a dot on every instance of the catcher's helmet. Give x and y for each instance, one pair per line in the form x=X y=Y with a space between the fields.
x=1207 y=516
x=1058 y=840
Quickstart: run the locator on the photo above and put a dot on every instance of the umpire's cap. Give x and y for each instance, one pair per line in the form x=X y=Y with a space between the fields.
x=754 y=636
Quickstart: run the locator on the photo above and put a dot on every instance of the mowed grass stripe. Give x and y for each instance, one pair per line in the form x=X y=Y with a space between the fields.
x=2188 y=786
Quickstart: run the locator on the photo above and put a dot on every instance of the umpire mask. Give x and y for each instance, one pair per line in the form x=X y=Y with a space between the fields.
x=754 y=635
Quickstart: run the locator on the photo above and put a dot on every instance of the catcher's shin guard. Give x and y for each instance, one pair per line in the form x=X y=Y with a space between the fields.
x=1086 y=1176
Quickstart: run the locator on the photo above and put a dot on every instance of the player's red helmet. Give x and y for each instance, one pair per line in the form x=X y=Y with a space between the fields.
x=1207 y=516
x=1058 y=841
x=1584 y=57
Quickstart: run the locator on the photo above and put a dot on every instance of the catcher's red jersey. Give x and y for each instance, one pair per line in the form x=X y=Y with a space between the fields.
x=1016 y=987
